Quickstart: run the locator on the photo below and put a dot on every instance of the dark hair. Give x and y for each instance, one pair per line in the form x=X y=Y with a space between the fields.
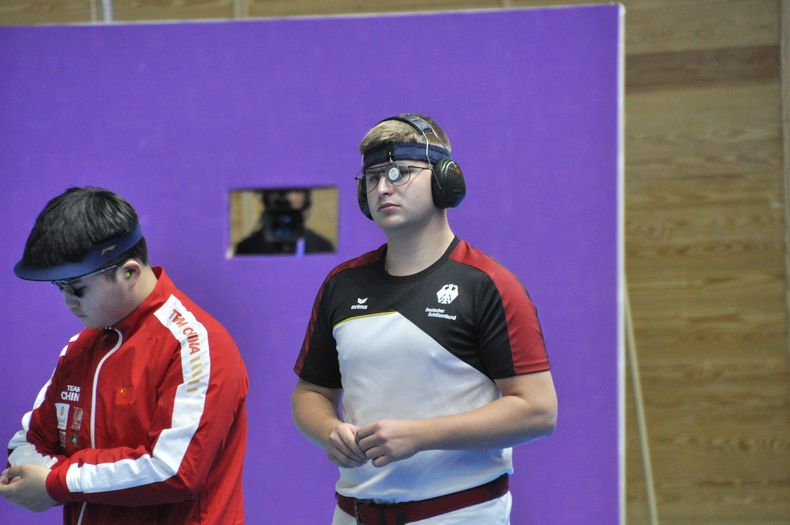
x=278 y=198
x=78 y=219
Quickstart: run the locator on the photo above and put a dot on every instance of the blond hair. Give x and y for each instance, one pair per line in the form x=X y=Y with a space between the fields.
x=388 y=131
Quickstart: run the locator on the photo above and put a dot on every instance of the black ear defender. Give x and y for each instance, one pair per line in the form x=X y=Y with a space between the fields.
x=448 y=187
x=362 y=198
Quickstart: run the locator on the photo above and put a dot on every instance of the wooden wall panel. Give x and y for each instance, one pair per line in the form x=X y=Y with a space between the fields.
x=705 y=230
x=785 y=82
x=24 y=12
x=269 y=8
x=720 y=132
x=136 y=10
x=705 y=260
x=654 y=26
x=676 y=69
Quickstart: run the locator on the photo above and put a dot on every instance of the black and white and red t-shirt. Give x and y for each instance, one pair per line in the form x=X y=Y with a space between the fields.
x=416 y=347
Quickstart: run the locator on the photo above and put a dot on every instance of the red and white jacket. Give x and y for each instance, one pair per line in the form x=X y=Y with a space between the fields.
x=144 y=422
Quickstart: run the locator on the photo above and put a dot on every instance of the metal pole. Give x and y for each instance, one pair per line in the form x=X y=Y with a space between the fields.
x=644 y=445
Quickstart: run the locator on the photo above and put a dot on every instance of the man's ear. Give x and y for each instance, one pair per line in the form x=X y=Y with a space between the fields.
x=131 y=270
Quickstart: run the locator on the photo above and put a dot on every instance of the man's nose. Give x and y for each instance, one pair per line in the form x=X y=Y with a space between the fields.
x=69 y=299
x=383 y=185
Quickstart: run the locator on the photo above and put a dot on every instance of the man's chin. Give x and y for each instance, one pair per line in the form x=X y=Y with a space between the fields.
x=88 y=323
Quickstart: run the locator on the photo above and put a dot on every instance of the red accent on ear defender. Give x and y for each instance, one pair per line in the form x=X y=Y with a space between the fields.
x=448 y=187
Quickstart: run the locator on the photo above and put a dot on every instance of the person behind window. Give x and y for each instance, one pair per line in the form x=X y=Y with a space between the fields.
x=282 y=227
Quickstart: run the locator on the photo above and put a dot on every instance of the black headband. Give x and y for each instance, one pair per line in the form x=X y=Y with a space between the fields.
x=390 y=151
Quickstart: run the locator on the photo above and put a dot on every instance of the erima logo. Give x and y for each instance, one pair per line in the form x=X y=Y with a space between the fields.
x=360 y=304
x=447 y=294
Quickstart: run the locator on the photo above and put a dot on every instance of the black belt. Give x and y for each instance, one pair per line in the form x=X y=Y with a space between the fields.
x=369 y=513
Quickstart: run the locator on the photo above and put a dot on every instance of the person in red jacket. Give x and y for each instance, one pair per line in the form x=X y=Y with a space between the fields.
x=143 y=420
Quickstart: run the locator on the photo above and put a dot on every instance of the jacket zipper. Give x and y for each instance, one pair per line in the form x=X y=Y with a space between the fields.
x=93 y=405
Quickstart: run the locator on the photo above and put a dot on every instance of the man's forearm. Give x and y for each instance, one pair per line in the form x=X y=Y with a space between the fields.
x=506 y=422
x=526 y=410
x=314 y=415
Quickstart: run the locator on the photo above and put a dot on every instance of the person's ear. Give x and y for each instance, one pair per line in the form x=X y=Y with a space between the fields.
x=131 y=270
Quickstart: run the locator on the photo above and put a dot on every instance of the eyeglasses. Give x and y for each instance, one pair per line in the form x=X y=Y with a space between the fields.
x=396 y=174
x=65 y=285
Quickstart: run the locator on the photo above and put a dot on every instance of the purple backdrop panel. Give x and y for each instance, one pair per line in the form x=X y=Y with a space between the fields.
x=174 y=116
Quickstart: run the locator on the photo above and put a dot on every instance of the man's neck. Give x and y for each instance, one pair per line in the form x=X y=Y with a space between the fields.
x=139 y=292
x=413 y=252
x=146 y=284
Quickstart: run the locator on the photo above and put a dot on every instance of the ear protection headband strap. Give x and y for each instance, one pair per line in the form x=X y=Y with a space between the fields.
x=403 y=151
x=418 y=123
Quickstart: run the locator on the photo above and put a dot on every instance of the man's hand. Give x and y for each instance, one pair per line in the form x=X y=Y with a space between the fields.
x=389 y=440
x=342 y=448
x=25 y=485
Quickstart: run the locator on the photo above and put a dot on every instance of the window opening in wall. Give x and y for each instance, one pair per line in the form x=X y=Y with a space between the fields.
x=283 y=221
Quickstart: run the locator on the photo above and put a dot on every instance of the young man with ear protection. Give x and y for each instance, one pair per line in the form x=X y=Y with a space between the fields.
x=143 y=420
x=433 y=349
